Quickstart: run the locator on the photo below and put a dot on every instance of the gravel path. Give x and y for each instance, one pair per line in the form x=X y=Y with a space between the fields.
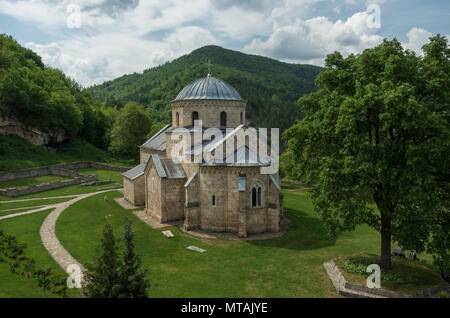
x=50 y=206
x=44 y=198
x=48 y=236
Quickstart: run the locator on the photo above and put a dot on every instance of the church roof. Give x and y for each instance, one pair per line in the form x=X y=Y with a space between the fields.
x=158 y=140
x=173 y=170
x=167 y=168
x=208 y=88
x=135 y=172
x=242 y=157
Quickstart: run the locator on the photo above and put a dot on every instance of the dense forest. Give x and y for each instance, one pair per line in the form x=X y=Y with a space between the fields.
x=271 y=88
x=43 y=97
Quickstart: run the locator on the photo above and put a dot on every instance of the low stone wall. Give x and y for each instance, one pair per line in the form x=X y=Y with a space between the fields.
x=63 y=169
x=347 y=289
x=91 y=165
x=37 y=172
x=14 y=192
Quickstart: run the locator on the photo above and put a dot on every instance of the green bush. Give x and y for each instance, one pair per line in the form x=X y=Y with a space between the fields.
x=358 y=265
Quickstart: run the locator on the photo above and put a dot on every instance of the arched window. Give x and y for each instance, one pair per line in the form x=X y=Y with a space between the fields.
x=194 y=117
x=242 y=118
x=213 y=200
x=178 y=119
x=223 y=119
x=257 y=196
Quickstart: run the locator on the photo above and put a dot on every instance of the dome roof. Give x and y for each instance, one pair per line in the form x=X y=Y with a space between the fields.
x=208 y=88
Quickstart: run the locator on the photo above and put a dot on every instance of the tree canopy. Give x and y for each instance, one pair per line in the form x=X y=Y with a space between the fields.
x=43 y=97
x=270 y=87
x=375 y=140
x=131 y=128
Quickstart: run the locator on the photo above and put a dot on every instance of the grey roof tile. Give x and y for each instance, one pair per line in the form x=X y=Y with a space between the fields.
x=173 y=170
x=159 y=167
x=158 y=140
x=135 y=172
x=208 y=88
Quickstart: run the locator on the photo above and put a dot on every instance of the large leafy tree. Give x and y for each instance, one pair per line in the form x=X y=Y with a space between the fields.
x=375 y=139
x=130 y=129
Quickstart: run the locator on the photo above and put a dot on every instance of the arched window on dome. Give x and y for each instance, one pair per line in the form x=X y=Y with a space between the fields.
x=178 y=120
x=194 y=117
x=223 y=119
x=257 y=196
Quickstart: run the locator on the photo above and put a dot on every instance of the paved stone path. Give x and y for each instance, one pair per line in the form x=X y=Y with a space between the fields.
x=24 y=208
x=48 y=236
x=44 y=198
x=47 y=207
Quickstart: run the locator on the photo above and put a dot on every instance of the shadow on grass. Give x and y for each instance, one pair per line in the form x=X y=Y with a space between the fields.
x=306 y=233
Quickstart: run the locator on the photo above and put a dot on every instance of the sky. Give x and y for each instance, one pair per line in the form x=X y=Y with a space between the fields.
x=97 y=40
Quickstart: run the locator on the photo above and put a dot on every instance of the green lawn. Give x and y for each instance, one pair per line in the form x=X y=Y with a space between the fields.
x=76 y=189
x=26 y=229
x=26 y=182
x=290 y=266
x=7 y=205
x=18 y=153
x=72 y=190
x=103 y=174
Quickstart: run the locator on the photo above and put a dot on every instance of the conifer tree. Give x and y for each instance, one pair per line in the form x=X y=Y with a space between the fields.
x=101 y=280
x=133 y=283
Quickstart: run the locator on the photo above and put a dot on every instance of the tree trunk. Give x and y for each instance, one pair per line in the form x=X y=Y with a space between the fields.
x=385 y=242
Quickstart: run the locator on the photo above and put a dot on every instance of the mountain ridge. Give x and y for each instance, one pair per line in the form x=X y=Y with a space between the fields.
x=271 y=87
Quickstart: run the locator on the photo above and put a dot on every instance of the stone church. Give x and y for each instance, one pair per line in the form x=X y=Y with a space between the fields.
x=206 y=194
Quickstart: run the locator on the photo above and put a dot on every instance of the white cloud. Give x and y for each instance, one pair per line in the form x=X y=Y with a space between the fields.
x=123 y=36
x=417 y=37
x=92 y=60
x=311 y=40
x=239 y=24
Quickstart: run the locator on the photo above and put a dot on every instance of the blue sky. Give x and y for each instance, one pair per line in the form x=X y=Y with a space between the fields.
x=97 y=40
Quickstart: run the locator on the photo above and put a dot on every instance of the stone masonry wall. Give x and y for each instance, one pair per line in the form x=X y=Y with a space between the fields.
x=209 y=112
x=173 y=199
x=146 y=153
x=153 y=196
x=226 y=215
x=14 y=192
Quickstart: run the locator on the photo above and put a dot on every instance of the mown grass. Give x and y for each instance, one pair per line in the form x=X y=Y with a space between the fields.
x=26 y=182
x=72 y=190
x=103 y=174
x=26 y=230
x=18 y=153
x=7 y=205
x=289 y=266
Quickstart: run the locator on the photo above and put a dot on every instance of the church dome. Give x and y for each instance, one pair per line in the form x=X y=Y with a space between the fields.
x=208 y=88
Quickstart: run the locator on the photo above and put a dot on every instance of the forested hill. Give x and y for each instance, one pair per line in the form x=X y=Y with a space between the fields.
x=271 y=87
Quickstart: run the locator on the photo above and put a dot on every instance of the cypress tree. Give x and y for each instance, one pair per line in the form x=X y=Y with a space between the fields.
x=101 y=280
x=133 y=283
